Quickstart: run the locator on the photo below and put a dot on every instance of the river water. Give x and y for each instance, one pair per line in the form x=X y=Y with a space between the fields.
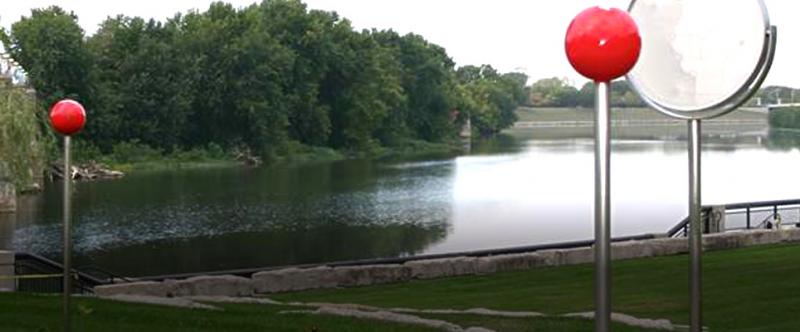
x=527 y=186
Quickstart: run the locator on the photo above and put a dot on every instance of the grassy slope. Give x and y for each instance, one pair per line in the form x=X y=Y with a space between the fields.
x=745 y=290
x=42 y=313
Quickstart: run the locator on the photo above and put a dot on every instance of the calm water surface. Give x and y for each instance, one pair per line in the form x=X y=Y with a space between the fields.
x=524 y=187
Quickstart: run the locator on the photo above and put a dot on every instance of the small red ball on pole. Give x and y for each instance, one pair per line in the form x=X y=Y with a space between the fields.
x=67 y=117
x=603 y=44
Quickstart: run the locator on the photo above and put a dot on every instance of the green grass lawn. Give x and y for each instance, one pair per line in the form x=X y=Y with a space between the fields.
x=43 y=313
x=755 y=289
x=29 y=313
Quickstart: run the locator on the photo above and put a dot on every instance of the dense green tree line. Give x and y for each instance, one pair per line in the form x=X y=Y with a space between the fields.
x=772 y=95
x=265 y=77
x=491 y=98
x=556 y=92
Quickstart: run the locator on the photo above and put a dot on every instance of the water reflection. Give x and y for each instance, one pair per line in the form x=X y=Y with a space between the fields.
x=352 y=209
x=525 y=187
x=783 y=139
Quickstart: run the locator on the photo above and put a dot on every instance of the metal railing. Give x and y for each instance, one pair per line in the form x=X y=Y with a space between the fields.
x=755 y=215
x=37 y=274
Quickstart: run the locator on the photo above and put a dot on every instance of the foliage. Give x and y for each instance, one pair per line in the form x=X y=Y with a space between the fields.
x=490 y=98
x=134 y=154
x=21 y=145
x=555 y=92
x=785 y=117
x=266 y=77
x=50 y=46
x=772 y=95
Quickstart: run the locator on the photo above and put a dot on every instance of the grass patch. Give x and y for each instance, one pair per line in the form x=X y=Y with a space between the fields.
x=134 y=156
x=549 y=324
x=752 y=289
x=43 y=313
x=20 y=312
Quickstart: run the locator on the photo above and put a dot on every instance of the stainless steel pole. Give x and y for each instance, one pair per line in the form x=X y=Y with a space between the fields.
x=696 y=229
x=67 y=243
x=602 y=209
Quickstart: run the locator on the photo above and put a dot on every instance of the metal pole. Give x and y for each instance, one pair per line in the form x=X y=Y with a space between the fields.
x=602 y=210
x=774 y=213
x=696 y=230
x=67 y=243
x=748 y=217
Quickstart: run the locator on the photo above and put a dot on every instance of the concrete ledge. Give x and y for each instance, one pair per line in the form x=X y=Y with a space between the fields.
x=440 y=268
x=143 y=288
x=296 y=279
x=7 y=270
x=211 y=286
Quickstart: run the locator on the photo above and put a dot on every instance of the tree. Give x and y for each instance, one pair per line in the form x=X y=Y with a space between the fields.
x=236 y=74
x=428 y=78
x=553 y=92
x=268 y=78
x=139 y=84
x=491 y=99
x=50 y=46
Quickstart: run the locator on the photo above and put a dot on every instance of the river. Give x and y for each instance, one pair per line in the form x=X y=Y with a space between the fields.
x=526 y=186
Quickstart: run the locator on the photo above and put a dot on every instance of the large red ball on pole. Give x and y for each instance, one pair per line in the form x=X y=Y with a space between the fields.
x=67 y=117
x=603 y=44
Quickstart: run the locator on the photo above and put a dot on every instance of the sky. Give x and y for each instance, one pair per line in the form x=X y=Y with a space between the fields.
x=510 y=35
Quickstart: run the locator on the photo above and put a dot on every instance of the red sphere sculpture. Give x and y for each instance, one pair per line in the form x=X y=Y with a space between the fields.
x=603 y=44
x=67 y=117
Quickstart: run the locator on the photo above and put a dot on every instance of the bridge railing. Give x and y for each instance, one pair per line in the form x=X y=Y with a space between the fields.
x=750 y=215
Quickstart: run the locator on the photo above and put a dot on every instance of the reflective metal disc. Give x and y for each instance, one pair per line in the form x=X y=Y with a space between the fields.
x=700 y=58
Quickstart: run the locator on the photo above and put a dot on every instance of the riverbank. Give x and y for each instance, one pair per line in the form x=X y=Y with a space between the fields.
x=744 y=290
x=134 y=157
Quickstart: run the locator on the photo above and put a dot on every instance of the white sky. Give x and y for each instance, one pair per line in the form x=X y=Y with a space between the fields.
x=522 y=35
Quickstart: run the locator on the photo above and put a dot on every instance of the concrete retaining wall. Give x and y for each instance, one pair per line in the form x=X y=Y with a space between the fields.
x=7 y=270
x=296 y=279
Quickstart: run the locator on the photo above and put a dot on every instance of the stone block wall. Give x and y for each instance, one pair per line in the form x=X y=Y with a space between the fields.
x=297 y=279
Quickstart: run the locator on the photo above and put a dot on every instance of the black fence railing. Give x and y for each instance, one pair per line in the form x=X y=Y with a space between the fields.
x=37 y=274
x=754 y=215
x=682 y=228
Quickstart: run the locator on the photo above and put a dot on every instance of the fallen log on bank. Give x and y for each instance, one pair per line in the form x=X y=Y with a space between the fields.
x=85 y=172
